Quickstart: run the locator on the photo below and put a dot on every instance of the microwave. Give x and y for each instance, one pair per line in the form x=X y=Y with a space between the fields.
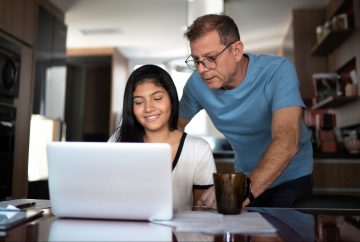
x=10 y=55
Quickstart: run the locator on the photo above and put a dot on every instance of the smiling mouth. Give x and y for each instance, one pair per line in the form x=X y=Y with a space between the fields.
x=152 y=117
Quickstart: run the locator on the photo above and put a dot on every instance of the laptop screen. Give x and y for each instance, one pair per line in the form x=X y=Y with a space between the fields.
x=110 y=180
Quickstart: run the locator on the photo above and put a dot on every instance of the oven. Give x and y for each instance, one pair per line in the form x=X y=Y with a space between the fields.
x=7 y=136
x=10 y=54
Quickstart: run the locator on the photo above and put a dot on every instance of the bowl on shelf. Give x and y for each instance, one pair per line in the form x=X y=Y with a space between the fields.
x=352 y=145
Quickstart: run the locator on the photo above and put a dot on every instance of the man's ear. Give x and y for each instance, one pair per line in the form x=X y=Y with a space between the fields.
x=238 y=50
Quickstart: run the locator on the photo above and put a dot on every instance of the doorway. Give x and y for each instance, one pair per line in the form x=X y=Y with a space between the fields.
x=88 y=93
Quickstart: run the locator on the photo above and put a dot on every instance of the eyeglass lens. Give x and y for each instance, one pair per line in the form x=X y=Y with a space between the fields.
x=207 y=62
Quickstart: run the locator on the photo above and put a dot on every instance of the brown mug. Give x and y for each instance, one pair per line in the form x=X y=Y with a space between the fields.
x=231 y=190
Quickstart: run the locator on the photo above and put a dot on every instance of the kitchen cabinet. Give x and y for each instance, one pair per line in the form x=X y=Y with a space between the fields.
x=330 y=175
x=17 y=18
x=336 y=176
x=48 y=92
x=18 y=23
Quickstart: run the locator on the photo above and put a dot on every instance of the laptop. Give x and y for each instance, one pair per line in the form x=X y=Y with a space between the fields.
x=100 y=180
x=107 y=230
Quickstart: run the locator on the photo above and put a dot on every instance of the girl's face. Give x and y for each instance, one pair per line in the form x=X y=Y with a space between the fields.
x=152 y=106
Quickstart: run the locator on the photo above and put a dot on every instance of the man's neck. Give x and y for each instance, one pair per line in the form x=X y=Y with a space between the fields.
x=240 y=74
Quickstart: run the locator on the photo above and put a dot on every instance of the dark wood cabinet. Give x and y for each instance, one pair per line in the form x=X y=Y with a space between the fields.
x=18 y=22
x=17 y=18
x=337 y=176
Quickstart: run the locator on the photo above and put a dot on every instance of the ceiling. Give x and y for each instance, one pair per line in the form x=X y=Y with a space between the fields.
x=152 y=30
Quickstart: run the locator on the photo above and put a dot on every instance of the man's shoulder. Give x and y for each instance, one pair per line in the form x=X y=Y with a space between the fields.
x=270 y=64
x=268 y=59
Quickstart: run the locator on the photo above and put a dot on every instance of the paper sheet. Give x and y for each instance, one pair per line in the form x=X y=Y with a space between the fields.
x=215 y=223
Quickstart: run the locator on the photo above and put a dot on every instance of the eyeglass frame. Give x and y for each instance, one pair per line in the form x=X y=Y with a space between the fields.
x=211 y=58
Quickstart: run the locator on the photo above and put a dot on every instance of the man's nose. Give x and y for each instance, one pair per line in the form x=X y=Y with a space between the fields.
x=201 y=68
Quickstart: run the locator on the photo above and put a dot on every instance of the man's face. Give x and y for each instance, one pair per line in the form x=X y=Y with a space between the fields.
x=209 y=46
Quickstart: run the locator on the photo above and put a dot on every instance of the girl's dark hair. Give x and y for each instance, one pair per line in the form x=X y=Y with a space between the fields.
x=223 y=24
x=130 y=130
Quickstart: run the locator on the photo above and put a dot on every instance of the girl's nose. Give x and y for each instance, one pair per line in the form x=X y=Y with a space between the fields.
x=149 y=106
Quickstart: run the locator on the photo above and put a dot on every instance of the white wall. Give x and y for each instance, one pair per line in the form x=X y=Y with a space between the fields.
x=55 y=92
x=201 y=124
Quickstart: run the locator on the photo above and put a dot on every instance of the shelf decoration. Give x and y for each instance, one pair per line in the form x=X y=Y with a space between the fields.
x=330 y=89
x=331 y=41
x=333 y=102
x=333 y=33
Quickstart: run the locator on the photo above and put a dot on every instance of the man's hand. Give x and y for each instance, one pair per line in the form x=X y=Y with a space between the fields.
x=207 y=198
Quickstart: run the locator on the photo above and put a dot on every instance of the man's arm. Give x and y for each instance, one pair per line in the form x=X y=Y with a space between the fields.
x=284 y=145
x=182 y=123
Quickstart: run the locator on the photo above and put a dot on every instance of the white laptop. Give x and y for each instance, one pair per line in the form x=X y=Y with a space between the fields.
x=110 y=180
x=107 y=230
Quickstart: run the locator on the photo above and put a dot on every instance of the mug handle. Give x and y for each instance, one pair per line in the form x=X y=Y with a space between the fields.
x=249 y=194
x=248 y=184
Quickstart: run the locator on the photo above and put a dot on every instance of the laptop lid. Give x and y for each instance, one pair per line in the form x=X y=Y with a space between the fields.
x=110 y=180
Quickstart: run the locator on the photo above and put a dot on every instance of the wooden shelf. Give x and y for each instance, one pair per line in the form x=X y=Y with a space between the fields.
x=333 y=102
x=331 y=41
x=342 y=156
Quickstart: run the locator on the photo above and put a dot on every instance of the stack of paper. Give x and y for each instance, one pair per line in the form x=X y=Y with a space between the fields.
x=215 y=223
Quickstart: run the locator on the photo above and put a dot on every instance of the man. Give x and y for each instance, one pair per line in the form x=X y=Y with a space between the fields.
x=255 y=102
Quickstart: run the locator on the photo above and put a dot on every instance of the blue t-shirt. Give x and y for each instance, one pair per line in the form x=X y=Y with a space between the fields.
x=244 y=114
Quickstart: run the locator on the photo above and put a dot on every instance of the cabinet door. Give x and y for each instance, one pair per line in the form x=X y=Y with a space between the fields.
x=27 y=24
x=17 y=18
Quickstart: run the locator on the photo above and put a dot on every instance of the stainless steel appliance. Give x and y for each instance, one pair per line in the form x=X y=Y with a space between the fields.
x=10 y=54
x=10 y=59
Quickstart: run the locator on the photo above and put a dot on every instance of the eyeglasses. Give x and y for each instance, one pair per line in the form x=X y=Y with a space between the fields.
x=208 y=62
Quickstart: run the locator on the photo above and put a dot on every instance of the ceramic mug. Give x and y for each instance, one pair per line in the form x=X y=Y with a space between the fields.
x=231 y=190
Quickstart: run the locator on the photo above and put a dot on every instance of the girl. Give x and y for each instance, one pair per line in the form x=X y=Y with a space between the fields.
x=150 y=114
